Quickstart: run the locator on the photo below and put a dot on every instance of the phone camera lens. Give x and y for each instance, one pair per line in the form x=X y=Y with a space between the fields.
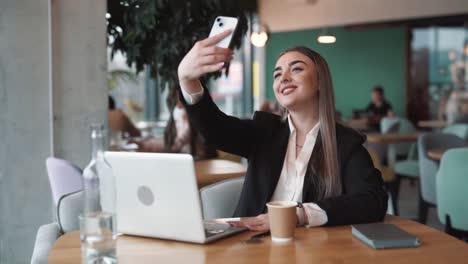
x=221 y=24
x=218 y=19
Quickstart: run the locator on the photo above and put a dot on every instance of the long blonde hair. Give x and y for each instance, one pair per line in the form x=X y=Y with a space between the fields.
x=325 y=163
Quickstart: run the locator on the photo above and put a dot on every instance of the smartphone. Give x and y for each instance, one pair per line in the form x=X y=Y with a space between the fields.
x=223 y=23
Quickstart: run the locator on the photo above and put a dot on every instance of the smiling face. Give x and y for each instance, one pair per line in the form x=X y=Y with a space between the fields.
x=295 y=81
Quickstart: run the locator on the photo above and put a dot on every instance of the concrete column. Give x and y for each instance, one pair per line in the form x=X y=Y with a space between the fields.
x=27 y=135
x=79 y=75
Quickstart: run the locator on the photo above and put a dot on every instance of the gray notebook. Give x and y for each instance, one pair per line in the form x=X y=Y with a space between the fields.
x=379 y=235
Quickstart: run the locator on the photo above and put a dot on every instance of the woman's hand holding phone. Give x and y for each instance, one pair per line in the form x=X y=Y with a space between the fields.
x=203 y=58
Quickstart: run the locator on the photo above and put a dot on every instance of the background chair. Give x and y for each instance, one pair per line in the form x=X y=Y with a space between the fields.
x=428 y=168
x=64 y=177
x=69 y=207
x=451 y=185
x=381 y=149
x=460 y=130
x=409 y=169
x=219 y=200
x=387 y=125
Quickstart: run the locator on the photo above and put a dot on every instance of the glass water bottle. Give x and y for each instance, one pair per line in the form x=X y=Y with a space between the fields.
x=98 y=230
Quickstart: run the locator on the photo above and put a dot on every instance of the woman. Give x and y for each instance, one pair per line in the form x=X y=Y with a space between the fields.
x=306 y=157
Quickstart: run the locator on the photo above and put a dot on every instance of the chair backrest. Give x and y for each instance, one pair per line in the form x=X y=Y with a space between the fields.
x=389 y=125
x=219 y=200
x=460 y=130
x=381 y=149
x=69 y=207
x=452 y=185
x=427 y=167
x=64 y=177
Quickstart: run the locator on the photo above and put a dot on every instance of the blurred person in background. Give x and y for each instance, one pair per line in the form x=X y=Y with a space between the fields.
x=378 y=108
x=119 y=123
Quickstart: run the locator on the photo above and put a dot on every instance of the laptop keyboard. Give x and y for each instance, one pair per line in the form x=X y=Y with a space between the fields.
x=212 y=229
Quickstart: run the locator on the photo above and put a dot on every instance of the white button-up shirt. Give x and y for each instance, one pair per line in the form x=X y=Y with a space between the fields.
x=291 y=181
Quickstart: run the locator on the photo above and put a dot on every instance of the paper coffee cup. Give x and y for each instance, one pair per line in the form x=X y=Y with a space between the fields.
x=283 y=219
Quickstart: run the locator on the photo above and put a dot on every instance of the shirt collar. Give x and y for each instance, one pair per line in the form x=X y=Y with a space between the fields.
x=313 y=132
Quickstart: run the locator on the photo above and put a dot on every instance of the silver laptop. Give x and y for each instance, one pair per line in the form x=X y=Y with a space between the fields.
x=157 y=196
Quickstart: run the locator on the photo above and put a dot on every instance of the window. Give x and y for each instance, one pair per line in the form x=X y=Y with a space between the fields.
x=144 y=101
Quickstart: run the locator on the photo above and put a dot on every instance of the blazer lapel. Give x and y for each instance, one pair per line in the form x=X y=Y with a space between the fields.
x=308 y=189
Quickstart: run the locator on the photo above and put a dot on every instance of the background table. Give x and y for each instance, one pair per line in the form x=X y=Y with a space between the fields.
x=359 y=124
x=213 y=170
x=433 y=124
x=391 y=138
x=312 y=245
x=436 y=154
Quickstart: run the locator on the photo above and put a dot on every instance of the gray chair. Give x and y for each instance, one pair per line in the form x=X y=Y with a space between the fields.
x=219 y=200
x=404 y=126
x=428 y=168
x=69 y=207
x=460 y=130
x=381 y=149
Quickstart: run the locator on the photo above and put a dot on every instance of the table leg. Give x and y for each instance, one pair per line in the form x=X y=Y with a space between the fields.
x=391 y=155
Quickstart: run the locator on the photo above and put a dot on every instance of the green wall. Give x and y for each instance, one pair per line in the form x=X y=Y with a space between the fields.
x=358 y=60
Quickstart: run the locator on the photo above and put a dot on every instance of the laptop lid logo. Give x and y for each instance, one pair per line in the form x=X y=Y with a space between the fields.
x=145 y=195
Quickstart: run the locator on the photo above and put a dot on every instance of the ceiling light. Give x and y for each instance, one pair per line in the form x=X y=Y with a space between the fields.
x=326 y=37
x=259 y=39
x=259 y=35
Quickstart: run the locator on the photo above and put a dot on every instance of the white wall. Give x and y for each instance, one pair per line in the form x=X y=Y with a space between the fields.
x=289 y=15
x=79 y=96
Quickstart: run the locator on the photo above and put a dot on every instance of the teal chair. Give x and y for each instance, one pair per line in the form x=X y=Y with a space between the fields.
x=404 y=168
x=404 y=126
x=451 y=187
x=381 y=149
x=428 y=168
x=460 y=130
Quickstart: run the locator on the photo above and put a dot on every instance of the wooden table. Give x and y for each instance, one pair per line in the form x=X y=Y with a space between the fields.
x=433 y=124
x=312 y=245
x=391 y=138
x=436 y=154
x=213 y=170
x=359 y=124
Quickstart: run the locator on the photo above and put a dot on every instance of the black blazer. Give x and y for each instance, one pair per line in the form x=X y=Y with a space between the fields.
x=263 y=141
